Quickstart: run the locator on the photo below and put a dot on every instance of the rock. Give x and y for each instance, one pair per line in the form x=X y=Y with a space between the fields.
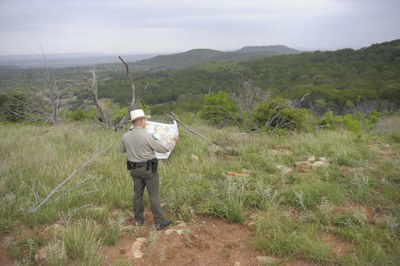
x=266 y=260
x=251 y=224
x=231 y=173
x=213 y=149
x=169 y=231
x=284 y=169
x=53 y=231
x=194 y=158
x=318 y=164
x=192 y=211
x=303 y=166
x=311 y=159
x=42 y=254
x=136 y=246
x=311 y=163
x=116 y=214
x=236 y=263
x=323 y=159
x=181 y=224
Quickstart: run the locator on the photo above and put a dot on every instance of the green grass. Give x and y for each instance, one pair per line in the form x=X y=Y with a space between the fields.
x=282 y=235
x=294 y=209
x=82 y=241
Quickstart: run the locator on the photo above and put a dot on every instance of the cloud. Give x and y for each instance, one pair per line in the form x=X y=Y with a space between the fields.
x=173 y=25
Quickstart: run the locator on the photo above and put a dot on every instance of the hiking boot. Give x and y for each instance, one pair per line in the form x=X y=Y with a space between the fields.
x=162 y=225
x=139 y=223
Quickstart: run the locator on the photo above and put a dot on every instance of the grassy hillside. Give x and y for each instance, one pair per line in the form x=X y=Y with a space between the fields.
x=334 y=81
x=297 y=189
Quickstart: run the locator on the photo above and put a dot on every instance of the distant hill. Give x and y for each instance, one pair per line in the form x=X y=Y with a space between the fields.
x=177 y=61
x=278 y=49
x=201 y=56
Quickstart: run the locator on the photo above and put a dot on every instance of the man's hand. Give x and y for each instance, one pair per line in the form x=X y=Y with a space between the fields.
x=176 y=139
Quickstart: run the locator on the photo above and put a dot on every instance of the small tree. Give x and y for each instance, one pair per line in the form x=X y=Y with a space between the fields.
x=12 y=108
x=247 y=96
x=278 y=114
x=219 y=109
x=235 y=107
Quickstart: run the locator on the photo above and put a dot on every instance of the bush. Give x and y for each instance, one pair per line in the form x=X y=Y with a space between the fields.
x=278 y=114
x=82 y=114
x=330 y=121
x=12 y=107
x=218 y=109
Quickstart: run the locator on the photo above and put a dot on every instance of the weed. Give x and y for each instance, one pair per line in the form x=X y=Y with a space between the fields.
x=57 y=254
x=151 y=242
x=82 y=241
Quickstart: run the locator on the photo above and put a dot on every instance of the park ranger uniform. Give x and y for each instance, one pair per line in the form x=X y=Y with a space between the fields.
x=140 y=146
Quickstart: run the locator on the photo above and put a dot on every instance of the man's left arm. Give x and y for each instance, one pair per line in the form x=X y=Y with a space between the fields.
x=122 y=146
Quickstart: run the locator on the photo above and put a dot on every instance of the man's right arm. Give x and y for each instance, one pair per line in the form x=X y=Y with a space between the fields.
x=156 y=145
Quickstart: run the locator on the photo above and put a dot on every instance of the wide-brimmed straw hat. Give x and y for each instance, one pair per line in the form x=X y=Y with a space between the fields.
x=138 y=113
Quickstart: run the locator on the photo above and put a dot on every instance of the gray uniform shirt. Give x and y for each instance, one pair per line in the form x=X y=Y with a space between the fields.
x=140 y=145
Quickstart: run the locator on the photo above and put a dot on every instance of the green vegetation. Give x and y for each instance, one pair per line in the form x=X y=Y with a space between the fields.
x=353 y=198
x=307 y=147
x=345 y=81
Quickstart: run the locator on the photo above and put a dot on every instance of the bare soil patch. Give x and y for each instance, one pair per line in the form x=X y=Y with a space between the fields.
x=340 y=248
x=4 y=259
x=385 y=152
x=203 y=241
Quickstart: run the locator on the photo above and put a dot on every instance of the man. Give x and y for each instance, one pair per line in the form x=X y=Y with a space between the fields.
x=140 y=147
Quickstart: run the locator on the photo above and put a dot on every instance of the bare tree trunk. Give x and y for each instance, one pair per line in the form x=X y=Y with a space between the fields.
x=52 y=93
x=135 y=100
x=94 y=90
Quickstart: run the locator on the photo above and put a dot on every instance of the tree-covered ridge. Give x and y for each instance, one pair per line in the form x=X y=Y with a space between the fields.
x=333 y=80
x=197 y=57
x=277 y=49
x=340 y=81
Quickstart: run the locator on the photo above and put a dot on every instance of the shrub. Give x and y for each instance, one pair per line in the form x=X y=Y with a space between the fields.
x=82 y=114
x=330 y=121
x=218 y=109
x=278 y=114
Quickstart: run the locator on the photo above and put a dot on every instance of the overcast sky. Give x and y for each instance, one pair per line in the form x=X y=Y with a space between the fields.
x=165 y=26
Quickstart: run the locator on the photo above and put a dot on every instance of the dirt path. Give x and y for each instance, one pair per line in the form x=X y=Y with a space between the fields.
x=203 y=241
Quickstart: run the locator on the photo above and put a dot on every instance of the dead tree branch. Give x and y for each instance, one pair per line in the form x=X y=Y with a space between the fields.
x=56 y=189
x=247 y=98
x=297 y=104
x=173 y=116
x=94 y=90
x=135 y=100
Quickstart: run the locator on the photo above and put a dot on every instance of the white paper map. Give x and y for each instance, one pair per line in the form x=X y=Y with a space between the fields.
x=164 y=133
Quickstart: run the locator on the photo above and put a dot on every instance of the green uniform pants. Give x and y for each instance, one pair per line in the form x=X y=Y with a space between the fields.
x=143 y=178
